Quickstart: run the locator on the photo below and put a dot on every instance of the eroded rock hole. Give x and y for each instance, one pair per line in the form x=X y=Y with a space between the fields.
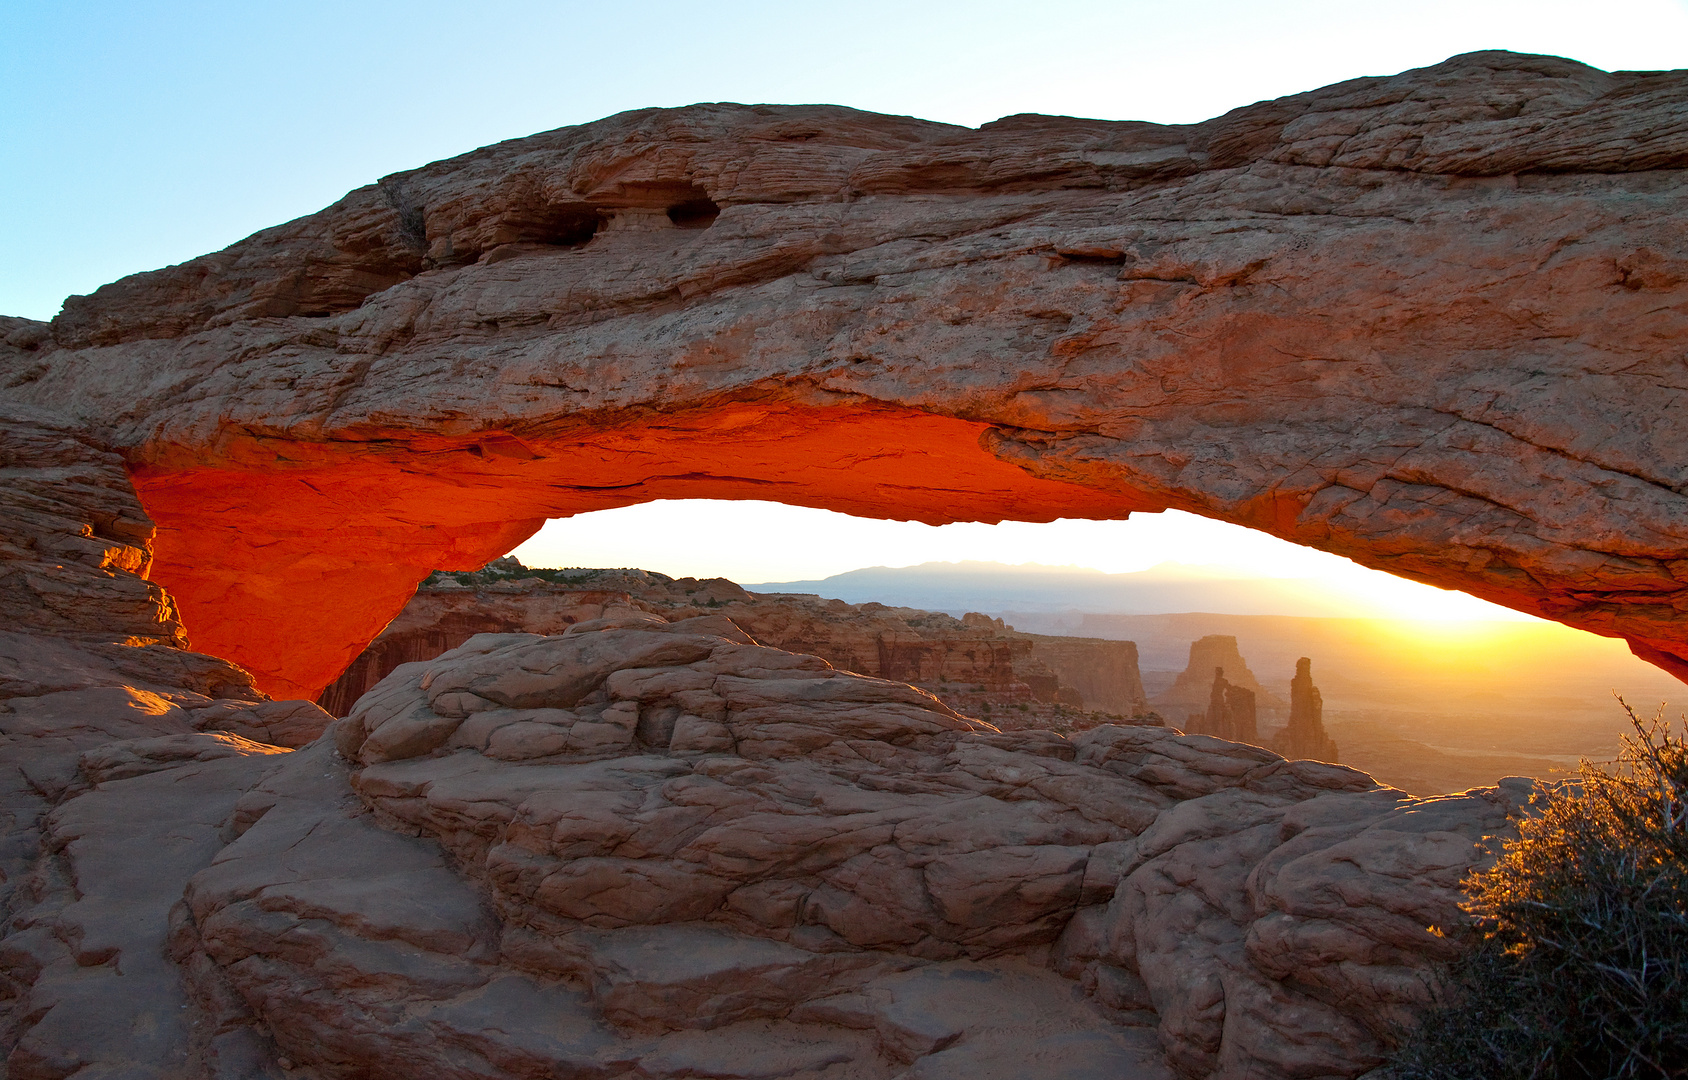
x=1200 y=629
x=696 y=213
x=1095 y=258
x=563 y=227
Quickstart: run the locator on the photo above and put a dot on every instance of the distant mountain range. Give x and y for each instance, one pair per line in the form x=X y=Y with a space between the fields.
x=960 y=587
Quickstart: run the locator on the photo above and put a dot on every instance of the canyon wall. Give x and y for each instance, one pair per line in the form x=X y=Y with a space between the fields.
x=1104 y=673
x=974 y=664
x=1430 y=321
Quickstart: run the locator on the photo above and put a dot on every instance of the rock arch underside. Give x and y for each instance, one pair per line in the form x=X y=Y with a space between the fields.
x=1434 y=322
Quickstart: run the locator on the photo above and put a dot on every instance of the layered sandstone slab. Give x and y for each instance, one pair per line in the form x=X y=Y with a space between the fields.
x=1430 y=321
x=660 y=849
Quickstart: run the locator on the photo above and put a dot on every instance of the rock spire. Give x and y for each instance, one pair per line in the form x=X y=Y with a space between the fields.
x=1304 y=736
x=1231 y=712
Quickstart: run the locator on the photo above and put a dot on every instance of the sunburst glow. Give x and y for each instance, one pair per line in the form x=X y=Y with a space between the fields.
x=752 y=542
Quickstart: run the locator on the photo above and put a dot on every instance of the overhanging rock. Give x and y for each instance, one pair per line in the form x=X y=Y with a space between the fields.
x=1433 y=322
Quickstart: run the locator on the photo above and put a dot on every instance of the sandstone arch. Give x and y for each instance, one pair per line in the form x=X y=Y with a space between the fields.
x=1433 y=322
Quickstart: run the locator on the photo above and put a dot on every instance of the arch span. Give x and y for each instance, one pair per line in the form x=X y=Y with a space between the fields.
x=1432 y=322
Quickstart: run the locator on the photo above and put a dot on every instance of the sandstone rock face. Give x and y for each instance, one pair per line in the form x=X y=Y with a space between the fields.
x=122 y=756
x=439 y=619
x=1231 y=714
x=1429 y=321
x=77 y=546
x=975 y=663
x=649 y=848
x=1105 y=673
x=659 y=849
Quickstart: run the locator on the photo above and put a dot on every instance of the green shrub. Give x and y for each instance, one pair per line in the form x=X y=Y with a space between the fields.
x=1577 y=964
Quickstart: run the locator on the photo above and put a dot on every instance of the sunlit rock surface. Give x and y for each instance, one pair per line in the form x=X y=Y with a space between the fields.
x=1431 y=321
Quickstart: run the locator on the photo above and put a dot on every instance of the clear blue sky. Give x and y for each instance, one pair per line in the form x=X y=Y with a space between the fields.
x=139 y=134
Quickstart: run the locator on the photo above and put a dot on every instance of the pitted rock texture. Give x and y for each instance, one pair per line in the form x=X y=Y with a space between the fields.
x=1429 y=321
x=661 y=850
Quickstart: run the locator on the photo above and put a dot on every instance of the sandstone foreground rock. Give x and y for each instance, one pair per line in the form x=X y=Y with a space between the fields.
x=122 y=755
x=659 y=849
x=1430 y=321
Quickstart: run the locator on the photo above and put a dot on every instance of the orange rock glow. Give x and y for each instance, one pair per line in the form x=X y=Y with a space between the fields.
x=289 y=559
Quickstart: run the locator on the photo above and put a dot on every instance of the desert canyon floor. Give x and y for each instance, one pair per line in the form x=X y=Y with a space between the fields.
x=1431 y=321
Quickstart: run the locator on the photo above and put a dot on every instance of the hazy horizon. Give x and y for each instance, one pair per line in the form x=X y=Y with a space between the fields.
x=752 y=542
x=1204 y=587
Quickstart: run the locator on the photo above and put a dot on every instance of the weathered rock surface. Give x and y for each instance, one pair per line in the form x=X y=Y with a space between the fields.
x=76 y=546
x=974 y=664
x=1104 y=672
x=1304 y=735
x=1429 y=321
x=440 y=618
x=1232 y=714
x=122 y=756
x=659 y=849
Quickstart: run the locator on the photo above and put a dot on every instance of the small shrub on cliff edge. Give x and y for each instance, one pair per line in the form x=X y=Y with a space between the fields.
x=1578 y=957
